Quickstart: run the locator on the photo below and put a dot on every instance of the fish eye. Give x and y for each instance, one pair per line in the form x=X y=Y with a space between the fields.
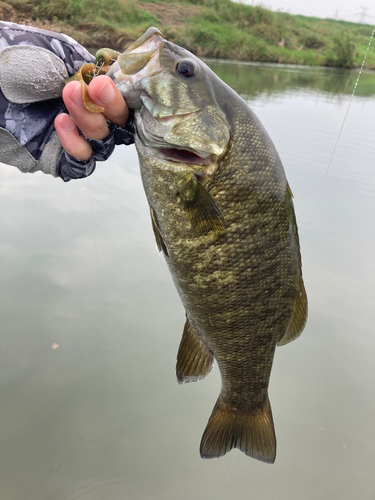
x=186 y=68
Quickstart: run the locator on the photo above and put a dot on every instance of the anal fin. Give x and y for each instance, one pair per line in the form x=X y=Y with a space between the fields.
x=251 y=431
x=194 y=359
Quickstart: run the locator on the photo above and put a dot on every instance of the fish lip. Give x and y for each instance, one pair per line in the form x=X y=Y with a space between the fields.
x=179 y=157
x=184 y=155
x=168 y=150
x=126 y=71
x=175 y=154
x=164 y=114
x=183 y=114
x=144 y=38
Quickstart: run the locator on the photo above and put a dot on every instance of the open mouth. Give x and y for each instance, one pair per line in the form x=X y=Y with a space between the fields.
x=184 y=156
x=154 y=134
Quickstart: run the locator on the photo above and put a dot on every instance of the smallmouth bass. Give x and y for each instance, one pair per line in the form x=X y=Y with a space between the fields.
x=222 y=214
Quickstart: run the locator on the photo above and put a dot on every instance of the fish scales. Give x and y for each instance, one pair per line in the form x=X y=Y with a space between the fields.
x=222 y=213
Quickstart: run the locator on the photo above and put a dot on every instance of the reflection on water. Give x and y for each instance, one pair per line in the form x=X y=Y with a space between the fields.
x=248 y=80
x=102 y=416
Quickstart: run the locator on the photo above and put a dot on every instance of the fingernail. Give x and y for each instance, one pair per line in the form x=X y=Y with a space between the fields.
x=66 y=122
x=106 y=93
x=76 y=96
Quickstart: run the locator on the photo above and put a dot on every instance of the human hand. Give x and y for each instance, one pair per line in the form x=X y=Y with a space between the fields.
x=103 y=92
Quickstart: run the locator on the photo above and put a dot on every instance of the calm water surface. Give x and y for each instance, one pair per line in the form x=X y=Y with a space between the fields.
x=102 y=416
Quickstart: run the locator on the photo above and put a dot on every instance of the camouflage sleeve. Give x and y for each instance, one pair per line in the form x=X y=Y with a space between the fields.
x=33 y=66
x=70 y=168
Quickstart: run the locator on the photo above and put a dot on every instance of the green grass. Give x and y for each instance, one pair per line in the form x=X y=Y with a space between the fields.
x=113 y=12
x=91 y=22
x=213 y=28
x=227 y=29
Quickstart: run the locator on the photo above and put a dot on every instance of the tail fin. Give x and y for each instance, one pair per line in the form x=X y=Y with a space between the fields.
x=251 y=431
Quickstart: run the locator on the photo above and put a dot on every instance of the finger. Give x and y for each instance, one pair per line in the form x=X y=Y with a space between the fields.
x=73 y=143
x=92 y=125
x=103 y=92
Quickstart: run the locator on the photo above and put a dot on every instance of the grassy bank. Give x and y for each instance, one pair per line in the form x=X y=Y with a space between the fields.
x=209 y=28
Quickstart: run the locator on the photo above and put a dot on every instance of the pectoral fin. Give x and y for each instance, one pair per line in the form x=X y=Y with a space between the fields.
x=200 y=207
x=160 y=243
x=194 y=359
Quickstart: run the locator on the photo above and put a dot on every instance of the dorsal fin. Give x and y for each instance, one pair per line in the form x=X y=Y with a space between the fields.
x=299 y=316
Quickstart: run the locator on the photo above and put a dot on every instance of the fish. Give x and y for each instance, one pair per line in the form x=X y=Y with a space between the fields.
x=222 y=214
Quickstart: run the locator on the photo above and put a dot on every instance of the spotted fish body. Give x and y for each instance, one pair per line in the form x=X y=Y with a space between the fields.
x=223 y=215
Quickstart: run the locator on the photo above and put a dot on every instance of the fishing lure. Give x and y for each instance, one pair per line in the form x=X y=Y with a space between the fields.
x=104 y=59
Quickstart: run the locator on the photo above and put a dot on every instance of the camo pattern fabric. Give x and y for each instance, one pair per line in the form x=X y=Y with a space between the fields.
x=32 y=125
x=70 y=168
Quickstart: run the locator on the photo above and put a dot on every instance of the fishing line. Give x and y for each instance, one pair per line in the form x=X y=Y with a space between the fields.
x=351 y=99
x=340 y=132
x=229 y=474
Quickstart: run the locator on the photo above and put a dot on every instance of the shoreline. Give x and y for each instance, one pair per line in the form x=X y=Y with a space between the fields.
x=220 y=30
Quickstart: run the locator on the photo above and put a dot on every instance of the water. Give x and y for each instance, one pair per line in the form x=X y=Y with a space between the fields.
x=102 y=415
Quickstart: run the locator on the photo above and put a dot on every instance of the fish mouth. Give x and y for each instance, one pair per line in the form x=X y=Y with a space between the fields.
x=158 y=134
x=178 y=160
x=149 y=40
x=185 y=156
x=167 y=119
x=157 y=145
x=139 y=60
